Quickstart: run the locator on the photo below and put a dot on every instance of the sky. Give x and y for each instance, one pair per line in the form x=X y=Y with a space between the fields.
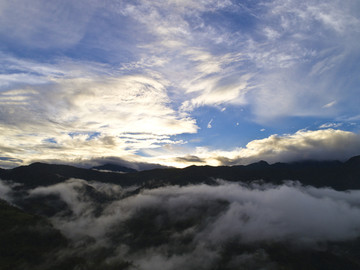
x=178 y=82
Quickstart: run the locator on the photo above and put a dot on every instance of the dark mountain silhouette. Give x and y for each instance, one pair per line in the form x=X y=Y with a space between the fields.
x=29 y=240
x=26 y=240
x=113 y=168
x=41 y=174
x=335 y=174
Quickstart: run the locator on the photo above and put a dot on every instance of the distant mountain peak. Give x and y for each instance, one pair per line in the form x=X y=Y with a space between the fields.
x=354 y=161
x=261 y=163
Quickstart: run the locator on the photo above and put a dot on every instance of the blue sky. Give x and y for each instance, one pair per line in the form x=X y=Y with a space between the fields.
x=178 y=82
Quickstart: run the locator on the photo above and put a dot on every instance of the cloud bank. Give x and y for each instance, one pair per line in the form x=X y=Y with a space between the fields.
x=324 y=144
x=191 y=226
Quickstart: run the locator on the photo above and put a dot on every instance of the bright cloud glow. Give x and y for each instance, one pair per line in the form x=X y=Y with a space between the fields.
x=303 y=145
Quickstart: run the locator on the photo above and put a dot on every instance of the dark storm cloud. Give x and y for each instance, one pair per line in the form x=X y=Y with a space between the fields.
x=139 y=166
x=190 y=158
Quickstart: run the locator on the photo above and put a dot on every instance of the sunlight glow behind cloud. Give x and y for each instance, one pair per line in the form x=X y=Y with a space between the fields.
x=85 y=79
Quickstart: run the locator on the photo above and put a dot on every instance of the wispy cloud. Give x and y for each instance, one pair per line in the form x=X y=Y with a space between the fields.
x=267 y=69
x=116 y=115
x=209 y=124
x=75 y=71
x=331 y=125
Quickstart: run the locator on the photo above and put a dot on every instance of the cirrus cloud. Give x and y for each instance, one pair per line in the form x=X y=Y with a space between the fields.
x=75 y=117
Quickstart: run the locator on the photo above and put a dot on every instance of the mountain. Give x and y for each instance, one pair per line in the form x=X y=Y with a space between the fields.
x=26 y=240
x=113 y=168
x=335 y=174
x=353 y=162
x=41 y=174
x=29 y=241
x=64 y=217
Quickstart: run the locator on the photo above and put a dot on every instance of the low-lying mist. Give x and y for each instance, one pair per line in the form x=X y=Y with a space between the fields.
x=223 y=226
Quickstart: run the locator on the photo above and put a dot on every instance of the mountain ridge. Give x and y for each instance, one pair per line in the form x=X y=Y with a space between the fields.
x=81 y=215
x=335 y=174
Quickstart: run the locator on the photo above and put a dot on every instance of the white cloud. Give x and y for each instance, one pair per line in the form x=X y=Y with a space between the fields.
x=246 y=214
x=331 y=125
x=68 y=192
x=272 y=75
x=262 y=215
x=324 y=144
x=330 y=104
x=170 y=60
x=209 y=124
x=285 y=87
x=255 y=213
x=75 y=117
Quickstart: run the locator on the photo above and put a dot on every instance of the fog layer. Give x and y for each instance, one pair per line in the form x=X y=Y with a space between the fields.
x=189 y=227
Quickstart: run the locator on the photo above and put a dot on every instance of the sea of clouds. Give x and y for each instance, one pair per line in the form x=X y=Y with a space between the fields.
x=191 y=227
